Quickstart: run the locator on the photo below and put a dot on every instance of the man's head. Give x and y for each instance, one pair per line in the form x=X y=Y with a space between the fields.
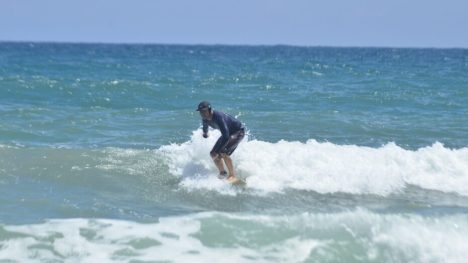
x=204 y=108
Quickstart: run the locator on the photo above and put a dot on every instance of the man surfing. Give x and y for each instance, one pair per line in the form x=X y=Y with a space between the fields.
x=232 y=132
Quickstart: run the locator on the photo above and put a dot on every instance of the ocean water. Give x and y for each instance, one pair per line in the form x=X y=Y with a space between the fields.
x=352 y=154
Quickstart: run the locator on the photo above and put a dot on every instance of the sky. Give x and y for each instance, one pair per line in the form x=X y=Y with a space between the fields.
x=366 y=23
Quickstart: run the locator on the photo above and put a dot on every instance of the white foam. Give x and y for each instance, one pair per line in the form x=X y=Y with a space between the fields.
x=172 y=239
x=324 y=167
x=3 y=146
x=348 y=236
x=378 y=237
x=423 y=240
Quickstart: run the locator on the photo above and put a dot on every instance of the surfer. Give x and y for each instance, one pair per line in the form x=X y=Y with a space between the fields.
x=232 y=132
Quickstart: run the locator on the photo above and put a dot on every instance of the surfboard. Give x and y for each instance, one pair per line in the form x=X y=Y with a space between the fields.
x=238 y=182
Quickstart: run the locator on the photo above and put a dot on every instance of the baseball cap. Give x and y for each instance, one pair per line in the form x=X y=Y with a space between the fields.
x=204 y=105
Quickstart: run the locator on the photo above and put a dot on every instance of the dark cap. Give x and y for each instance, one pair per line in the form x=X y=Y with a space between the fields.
x=204 y=105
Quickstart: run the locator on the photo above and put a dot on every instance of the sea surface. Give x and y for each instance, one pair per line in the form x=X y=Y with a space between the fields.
x=352 y=154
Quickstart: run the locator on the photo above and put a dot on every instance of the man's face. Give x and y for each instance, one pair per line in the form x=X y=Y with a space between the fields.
x=205 y=114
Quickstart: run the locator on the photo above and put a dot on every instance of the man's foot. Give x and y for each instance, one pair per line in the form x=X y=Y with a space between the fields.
x=232 y=178
x=222 y=175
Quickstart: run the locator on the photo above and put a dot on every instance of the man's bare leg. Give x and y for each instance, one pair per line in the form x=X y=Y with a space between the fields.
x=217 y=159
x=232 y=174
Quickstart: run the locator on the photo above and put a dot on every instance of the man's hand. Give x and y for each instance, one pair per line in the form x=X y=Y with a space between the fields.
x=205 y=135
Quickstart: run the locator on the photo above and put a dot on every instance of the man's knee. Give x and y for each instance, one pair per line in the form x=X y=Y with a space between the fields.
x=214 y=155
x=223 y=155
x=217 y=156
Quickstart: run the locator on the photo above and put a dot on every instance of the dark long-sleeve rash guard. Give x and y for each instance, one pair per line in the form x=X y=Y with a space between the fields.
x=225 y=123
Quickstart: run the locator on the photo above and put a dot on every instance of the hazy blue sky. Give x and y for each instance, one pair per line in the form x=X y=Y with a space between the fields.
x=397 y=23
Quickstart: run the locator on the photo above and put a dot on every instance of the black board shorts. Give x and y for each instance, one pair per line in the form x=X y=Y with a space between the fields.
x=231 y=145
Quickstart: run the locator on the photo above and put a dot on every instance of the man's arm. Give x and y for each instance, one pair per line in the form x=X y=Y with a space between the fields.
x=205 y=129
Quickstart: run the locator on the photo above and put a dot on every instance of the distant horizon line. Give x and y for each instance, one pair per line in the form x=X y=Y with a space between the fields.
x=216 y=44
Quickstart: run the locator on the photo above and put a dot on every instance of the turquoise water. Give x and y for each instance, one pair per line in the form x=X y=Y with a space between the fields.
x=353 y=154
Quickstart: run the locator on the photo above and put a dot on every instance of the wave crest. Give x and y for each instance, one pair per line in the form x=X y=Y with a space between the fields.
x=324 y=167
